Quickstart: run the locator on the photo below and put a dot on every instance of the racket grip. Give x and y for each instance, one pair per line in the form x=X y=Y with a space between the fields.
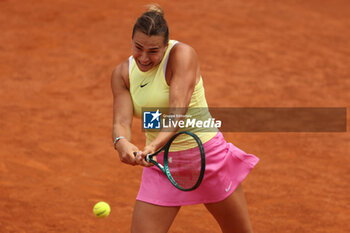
x=148 y=158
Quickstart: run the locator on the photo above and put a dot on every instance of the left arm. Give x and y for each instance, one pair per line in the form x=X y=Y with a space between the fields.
x=184 y=75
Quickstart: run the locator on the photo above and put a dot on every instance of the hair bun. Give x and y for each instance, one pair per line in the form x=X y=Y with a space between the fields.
x=154 y=7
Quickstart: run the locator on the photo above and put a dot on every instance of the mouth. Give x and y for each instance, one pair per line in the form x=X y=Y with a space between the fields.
x=144 y=65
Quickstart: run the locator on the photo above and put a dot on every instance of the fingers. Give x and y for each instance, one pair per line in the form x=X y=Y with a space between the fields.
x=140 y=159
x=125 y=149
x=135 y=158
x=128 y=159
x=130 y=154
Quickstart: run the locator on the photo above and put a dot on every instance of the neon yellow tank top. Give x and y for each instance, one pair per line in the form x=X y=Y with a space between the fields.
x=150 y=89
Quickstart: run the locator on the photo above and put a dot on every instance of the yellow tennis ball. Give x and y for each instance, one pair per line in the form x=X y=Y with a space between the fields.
x=102 y=209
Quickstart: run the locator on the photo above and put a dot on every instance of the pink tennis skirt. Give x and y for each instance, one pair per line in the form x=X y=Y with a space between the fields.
x=226 y=168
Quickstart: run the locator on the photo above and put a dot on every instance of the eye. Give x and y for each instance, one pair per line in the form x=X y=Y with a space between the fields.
x=138 y=48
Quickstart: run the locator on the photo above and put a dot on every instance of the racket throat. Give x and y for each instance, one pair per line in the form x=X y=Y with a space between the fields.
x=150 y=160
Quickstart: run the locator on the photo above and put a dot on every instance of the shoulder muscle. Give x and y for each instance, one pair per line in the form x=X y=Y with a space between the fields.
x=120 y=76
x=183 y=55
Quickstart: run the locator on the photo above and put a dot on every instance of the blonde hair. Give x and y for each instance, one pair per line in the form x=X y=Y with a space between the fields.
x=152 y=22
x=154 y=7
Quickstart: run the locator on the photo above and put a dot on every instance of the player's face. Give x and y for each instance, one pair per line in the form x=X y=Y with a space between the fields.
x=147 y=51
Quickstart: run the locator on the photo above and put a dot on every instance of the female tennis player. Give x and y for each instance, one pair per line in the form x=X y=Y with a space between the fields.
x=166 y=73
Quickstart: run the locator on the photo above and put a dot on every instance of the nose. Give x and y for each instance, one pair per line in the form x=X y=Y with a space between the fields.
x=144 y=58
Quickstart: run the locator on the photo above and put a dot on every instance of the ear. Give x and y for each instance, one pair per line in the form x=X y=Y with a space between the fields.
x=166 y=45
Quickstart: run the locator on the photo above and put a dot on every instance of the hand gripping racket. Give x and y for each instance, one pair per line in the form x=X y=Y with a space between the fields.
x=185 y=168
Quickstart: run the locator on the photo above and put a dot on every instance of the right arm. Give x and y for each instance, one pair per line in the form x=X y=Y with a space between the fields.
x=122 y=114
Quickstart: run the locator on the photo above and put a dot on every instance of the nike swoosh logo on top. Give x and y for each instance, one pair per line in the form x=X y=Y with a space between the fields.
x=142 y=85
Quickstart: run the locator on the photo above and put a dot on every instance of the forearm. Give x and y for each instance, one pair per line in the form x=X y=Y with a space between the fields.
x=166 y=133
x=123 y=130
x=161 y=139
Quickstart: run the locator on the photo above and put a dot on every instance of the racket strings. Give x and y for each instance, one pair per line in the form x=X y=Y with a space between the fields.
x=185 y=165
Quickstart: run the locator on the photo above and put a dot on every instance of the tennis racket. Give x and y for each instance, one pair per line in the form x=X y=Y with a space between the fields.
x=185 y=168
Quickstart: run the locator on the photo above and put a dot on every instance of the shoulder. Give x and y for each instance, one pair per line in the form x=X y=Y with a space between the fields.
x=181 y=50
x=120 y=74
x=183 y=57
x=121 y=70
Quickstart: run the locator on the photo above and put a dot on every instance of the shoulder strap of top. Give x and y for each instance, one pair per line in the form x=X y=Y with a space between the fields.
x=130 y=63
x=167 y=58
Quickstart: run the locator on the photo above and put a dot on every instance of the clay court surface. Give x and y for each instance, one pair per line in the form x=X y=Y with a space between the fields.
x=56 y=154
